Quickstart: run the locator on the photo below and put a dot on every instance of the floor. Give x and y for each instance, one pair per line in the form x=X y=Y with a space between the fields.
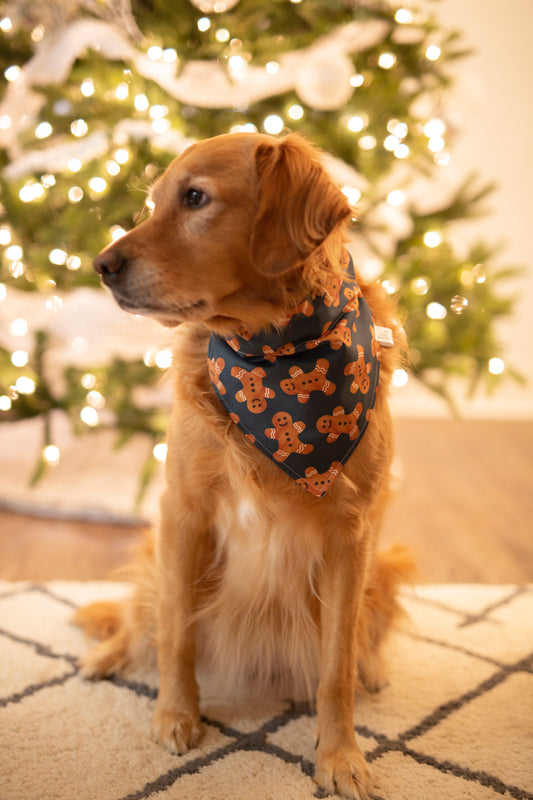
x=463 y=504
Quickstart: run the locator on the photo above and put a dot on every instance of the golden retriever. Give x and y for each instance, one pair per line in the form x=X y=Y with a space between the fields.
x=269 y=577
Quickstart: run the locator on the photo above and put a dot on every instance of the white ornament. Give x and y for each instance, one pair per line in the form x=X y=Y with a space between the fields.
x=323 y=80
x=214 y=6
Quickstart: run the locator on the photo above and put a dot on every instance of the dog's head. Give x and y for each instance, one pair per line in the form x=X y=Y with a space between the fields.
x=234 y=218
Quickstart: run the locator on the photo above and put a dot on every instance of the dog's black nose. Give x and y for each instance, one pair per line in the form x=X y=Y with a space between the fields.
x=109 y=264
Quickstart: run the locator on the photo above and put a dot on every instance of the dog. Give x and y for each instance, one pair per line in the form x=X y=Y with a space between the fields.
x=265 y=563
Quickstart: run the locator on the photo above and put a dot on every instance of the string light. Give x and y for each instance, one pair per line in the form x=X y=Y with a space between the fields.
x=404 y=16
x=25 y=385
x=352 y=194
x=273 y=124
x=73 y=263
x=396 y=198
x=19 y=358
x=75 y=194
x=5 y=122
x=74 y=164
x=122 y=155
x=433 y=52
x=155 y=53
x=203 y=24
x=6 y=24
x=367 y=142
x=163 y=358
x=357 y=80
x=51 y=454
x=402 y=151
x=96 y=400
x=170 y=55
x=88 y=381
x=19 y=327
x=79 y=128
x=432 y=239
x=222 y=35
x=356 y=124
x=43 y=130
x=295 y=112
x=98 y=185
x=420 y=286
x=5 y=236
x=496 y=366
x=387 y=60
x=400 y=378
x=57 y=256
x=436 y=311
x=13 y=253
x=5 y=403
x=12 y=73
x=272 y=67
x=160 y=451
x=87 y=87
x=90 y=416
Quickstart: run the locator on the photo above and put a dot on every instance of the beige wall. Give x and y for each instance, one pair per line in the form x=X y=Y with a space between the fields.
x=493 y=104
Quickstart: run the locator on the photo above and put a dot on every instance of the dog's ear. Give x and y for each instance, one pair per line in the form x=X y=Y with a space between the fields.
x=298 y=207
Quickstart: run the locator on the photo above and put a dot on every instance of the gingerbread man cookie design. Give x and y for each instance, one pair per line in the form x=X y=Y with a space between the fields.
x=339 y=422
x=303 y=383
x=319 y=482
x=286 y=432
x=253 y=393
x=360 y=371
x=215 y=370
x=284 y=350
x=340 y=335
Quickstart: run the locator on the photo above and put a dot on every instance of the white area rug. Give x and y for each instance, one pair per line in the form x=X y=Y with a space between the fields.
x=455 y=722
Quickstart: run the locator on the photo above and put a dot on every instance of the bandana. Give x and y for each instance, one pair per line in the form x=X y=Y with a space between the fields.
x=304 y=394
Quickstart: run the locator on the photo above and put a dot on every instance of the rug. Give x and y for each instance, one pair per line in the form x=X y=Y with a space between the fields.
x=455 y=721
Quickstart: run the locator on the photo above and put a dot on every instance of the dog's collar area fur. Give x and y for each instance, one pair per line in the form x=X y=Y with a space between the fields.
x=304 y=394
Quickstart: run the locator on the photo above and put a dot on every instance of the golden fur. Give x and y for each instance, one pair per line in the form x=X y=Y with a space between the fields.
x=249 y=572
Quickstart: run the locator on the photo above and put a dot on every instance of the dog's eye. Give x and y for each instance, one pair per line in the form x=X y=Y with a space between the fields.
x=195 y=198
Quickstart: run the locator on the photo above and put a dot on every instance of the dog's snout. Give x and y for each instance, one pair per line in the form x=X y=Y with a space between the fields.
x=109 y=264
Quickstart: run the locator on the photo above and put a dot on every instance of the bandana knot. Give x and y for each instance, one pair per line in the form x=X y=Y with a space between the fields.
x=304 y=393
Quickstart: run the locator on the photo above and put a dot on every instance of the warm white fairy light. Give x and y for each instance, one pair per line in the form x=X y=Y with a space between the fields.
x=248 y=127
x=122 y=155
x=5 y=236
x=402 y=151
x=96 y=400
x=25 y=385
x=434 y=127
x=12 y=73
x=396 y=198
x=420 y=286
x=390 y=286
x=295 y=111
x=14 y=252
x=19 y=358
x=272 y=67
x=87 y=87
x=75 y=194
x=436 y=311
x=5 y=122
x=357 y=80
x=161 y=125
x=352 y=194
x=433 y=52
x=73 y=263
x=79 y=128
x=367 y=142
x=117 y=232
x=5 y=24
x=400 y=378
x=112 y=167
x=51 y=454
x=237 y=65
x=43 y=130
x=436 y=144
x=442 y=159
x=170 y=55
x=122 y=91
x=160 y=451
x=31 y=191
x=74 y=164
x=356 y=124
x=158 y=111
x=58 y=256
x=90 y=416
x=222 y=35
x=397 y=128
x=5 y=403
x=404 y=16
x=98 y=185
x=203 y=24
x=496 y=366
x=387 y=60
x=16 y=269
x=38 y=33
x=155 y=53
x=391 y=143
x=88 y=381
x=432 y=239
x=48 y=180
x=163 y=358
x=273 y=124
x=19 y=327
x=141 y=102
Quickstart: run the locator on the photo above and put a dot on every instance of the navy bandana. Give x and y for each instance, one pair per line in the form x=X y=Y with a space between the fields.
x=304 y=394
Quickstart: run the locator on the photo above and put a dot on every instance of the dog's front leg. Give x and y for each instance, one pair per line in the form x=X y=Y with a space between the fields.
x=176 y=722
x=340 y=764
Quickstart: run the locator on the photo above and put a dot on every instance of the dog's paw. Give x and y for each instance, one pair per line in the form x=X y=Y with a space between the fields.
x=104 y=659
x=344 y=772
x=176 y=731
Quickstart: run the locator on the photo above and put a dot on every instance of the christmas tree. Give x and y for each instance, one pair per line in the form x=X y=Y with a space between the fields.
x=100 y=96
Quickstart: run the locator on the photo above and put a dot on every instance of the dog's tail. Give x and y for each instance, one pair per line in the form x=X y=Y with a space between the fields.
x=381 y=610
x=123 y=627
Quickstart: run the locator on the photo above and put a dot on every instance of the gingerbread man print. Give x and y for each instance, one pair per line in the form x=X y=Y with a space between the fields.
x=360 y=371
x=303 y=383
x=216 y=367
x=253 y=392
x=286 y=433
x=339 y=422
x=319 y=482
